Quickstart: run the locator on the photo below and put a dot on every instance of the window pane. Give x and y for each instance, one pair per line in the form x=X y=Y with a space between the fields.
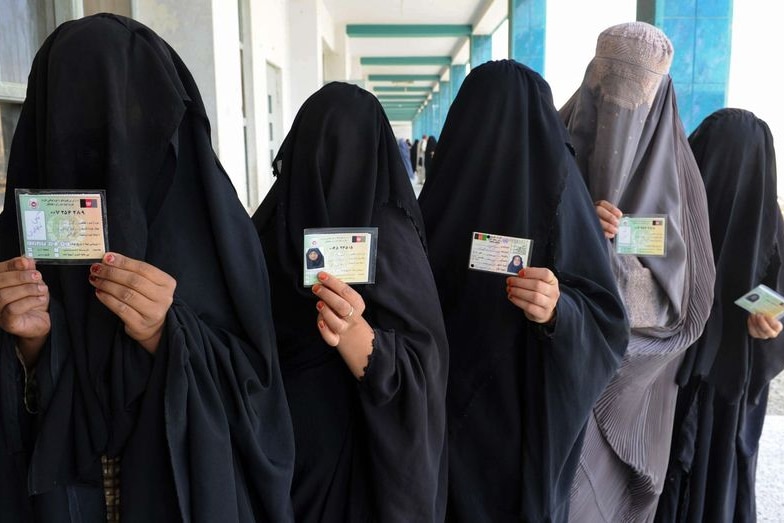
x=9 y=115
x=23 y=29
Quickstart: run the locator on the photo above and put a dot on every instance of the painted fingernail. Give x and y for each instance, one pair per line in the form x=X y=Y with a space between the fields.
x=321 y=324
x=95 y=267
x=323 y=276
x=521 y=273
x=36 y=276
x=92 y=278
x=316 y=288
x=109 y=258
x=320 y=305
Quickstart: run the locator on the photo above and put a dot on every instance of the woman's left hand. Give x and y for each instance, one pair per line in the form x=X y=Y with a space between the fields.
x=137 y=292
x=535 y=291
x=340 y=321
x=763 y=327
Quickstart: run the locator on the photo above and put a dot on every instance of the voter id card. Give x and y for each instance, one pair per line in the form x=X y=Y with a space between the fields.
x=762 y=300
x=642 y=235
x=346 y=253
x=62 y=227
x=500 y=254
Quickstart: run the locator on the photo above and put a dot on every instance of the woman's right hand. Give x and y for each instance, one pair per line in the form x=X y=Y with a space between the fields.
x=609 y=217
x=24 y=306
x=763 y=327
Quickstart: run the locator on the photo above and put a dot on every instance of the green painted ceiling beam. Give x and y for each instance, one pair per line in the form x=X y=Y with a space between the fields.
x=404 y=77
x=406 y=30
x=406 y=60
x=405 y=97
x=402 y=89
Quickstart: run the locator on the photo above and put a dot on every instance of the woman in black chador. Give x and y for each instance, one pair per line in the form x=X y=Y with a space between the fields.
x=725 y=375
x=364 y=366
x=430 y=152
x=529 y=354
x=156 y=367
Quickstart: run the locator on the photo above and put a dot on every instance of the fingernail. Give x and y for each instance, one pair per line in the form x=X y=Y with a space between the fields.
x=96 y=268
x=321 y=324
x=316 y=288
x=92 y=278
x=109 y=258
x=36 y=276
x=320 y=305
x=323 y=276
x=41 y=287
x=521 y=273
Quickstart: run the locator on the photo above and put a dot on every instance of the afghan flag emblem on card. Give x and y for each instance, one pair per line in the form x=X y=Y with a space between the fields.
x=90 y=203
x=358 y=239
x=480 y=236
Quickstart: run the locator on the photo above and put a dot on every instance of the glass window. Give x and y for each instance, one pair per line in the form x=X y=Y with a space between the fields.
x=24 y=25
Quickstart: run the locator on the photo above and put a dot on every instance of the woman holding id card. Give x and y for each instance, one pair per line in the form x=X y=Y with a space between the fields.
x=530 y=352
x=725 y=375
x=364 y=365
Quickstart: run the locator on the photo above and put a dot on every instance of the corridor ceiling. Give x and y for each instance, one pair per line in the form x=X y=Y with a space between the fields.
x=404 y=47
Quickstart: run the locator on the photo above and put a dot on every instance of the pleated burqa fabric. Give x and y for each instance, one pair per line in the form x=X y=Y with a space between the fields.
x=201 y=429
x=369 y=450
x=519 y=393
x=725 y=374
x=633 y=152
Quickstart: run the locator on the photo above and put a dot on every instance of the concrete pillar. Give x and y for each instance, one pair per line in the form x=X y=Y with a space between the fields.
x=457 y=74
x=305 y=51
x=527 y=20
x=446 y=103
x=481 y=49
x=205 y=33
x=700 y=32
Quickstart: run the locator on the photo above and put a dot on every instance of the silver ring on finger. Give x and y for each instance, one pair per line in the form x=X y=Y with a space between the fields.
x=350 y=313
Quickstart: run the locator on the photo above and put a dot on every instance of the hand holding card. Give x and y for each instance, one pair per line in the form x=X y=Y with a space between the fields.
x=24 y=305
x=762 y=300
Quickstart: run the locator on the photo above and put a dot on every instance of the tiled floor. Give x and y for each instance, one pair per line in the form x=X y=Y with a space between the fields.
x=770 y=463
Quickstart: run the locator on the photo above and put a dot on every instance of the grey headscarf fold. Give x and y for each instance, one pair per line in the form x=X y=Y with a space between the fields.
x=633 y=152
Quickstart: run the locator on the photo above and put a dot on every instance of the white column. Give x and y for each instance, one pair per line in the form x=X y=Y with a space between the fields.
x=205 y=33
x=305 y=52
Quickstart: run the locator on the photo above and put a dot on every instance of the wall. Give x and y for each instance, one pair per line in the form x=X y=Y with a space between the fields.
x=570 y=39
x=205 y=34
x=269 y=45
x=755 y=72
